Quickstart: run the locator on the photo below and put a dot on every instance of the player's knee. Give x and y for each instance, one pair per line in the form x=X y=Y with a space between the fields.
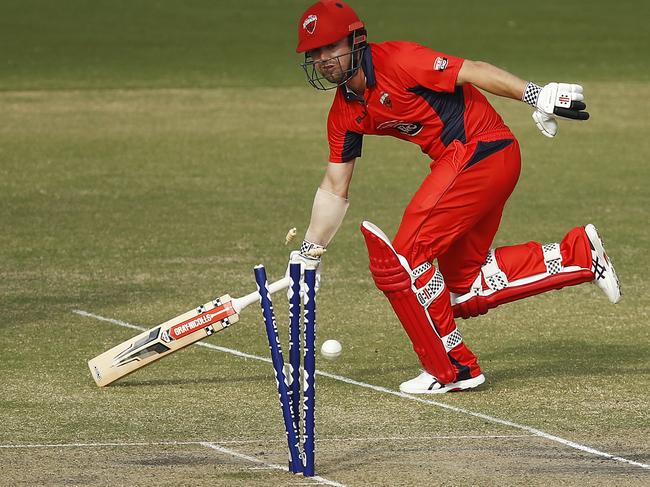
x=414 y=253
x=402 y=246
x=459 y=281
x=387 y=270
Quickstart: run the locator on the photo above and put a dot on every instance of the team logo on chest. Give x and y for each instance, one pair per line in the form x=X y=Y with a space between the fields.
x=384 y=99
x=407 y=128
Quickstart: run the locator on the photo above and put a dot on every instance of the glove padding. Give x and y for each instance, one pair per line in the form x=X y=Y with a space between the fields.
x=546 y=124
x=306 y=262
x=559 y=99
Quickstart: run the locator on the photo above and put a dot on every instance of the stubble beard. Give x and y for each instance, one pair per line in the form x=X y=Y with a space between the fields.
x=337 y=75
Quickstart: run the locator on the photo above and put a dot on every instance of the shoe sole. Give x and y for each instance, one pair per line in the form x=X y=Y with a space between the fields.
x=461 y=385
x=606 y=277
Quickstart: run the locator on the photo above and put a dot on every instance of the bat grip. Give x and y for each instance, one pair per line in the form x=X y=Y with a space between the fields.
x=240 y=303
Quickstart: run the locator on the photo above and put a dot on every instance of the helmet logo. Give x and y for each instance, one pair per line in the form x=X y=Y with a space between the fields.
x=310 y=23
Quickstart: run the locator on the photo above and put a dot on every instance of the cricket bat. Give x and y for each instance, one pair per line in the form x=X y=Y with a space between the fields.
x=172 y=335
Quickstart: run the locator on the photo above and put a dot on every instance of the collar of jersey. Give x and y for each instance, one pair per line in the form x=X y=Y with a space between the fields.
x=368 y=70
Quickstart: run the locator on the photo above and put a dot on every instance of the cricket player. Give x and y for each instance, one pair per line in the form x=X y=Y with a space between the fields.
x=439 y=265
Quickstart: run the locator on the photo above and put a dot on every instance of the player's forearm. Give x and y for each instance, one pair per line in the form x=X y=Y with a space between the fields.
x=491 y=79
x=330 y=204
x=327 y=215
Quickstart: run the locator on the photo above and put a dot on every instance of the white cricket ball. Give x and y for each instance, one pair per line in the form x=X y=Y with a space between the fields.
x=331 y=349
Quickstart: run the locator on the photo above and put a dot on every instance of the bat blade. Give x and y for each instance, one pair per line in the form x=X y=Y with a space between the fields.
x=172 y=335
x=162 y=340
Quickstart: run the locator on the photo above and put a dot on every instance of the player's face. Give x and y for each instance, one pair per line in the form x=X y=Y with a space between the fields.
x=333 y=61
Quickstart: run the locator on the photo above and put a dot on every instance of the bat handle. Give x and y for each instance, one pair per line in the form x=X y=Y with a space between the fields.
x=240 y=303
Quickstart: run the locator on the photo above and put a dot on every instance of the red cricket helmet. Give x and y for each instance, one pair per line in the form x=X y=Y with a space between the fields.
x=326 y=22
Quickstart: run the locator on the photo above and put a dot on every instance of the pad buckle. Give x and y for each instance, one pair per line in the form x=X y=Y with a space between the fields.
x=552 y=258
x=421 y=269
x=452 y=340
x=431 y=290
x=494 y=277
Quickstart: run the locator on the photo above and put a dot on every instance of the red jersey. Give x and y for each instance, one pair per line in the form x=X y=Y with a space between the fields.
x=411 y=94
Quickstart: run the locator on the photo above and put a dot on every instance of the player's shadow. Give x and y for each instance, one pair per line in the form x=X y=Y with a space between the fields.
x=216 y=379
x=567 y=358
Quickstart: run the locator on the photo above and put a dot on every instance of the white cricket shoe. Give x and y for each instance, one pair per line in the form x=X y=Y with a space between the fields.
x=426 y=383
x=602 y=267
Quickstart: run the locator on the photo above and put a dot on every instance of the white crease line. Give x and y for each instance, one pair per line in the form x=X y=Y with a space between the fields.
x=263 y=441
x=141 y=328
x=421 y=400
x=266 y=466
x=90 y=445
x=492 y=419
x=380 y=438
x=427 y=438
x=318 y=479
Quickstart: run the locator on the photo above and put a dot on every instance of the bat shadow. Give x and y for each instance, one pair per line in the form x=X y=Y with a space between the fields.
x=202 y=380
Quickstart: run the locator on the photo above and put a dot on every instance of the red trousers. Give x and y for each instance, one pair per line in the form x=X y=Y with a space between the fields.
x=453 y=218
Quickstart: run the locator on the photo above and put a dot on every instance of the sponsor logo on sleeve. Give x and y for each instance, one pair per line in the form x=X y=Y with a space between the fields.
x=440 y=64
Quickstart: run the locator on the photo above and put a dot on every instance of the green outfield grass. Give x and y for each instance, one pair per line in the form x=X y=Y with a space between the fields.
x=151 y=153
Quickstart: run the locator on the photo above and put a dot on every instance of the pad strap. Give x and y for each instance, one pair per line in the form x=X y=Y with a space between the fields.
x=421 y=269
x=431 y=290
x=452 y=340
x=552 y=258
x=494 y=277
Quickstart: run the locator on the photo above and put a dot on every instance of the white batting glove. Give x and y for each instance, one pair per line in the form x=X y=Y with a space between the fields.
x=547 y=124
x=555 y=99
x=306 y=262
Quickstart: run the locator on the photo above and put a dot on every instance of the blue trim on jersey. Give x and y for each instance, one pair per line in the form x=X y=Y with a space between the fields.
x=450 y=107
x=350 y=95
x=485 y=149
x=352 y=146
x=368 y=67
x=368 y=70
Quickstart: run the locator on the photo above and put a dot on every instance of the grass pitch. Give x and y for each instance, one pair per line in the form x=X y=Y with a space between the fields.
x=148 y=161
